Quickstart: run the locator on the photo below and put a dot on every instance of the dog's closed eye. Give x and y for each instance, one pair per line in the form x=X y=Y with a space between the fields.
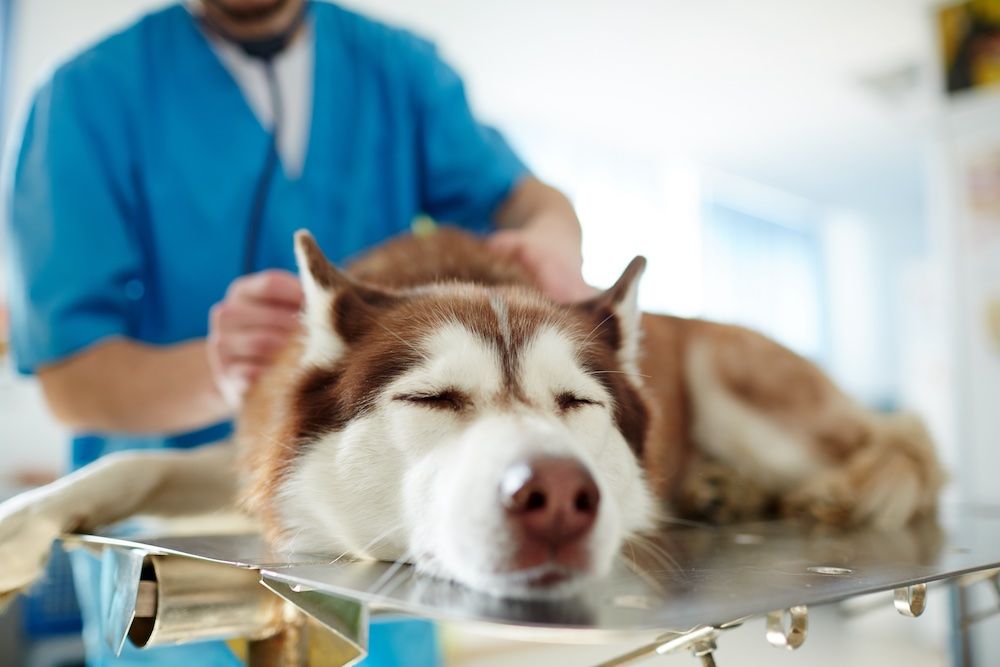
x=569 y=401
x=448 y=399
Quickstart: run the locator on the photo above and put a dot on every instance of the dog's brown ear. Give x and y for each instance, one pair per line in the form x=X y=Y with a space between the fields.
x=625 y=291
x=337 y=309
x=315 y=269
x=617 y=318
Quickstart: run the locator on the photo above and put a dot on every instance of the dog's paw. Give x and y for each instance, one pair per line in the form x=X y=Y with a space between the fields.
x=885 y=485
x=25 y=542
x=718 y=494
x=827 y=500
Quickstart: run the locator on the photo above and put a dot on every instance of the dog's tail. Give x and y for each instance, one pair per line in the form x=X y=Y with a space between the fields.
x=891 y=479
x=897 y=477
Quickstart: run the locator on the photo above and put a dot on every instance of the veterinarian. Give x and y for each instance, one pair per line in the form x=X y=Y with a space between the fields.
x=159 y=180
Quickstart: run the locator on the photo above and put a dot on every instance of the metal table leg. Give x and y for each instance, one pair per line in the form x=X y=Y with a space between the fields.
x=173 y=599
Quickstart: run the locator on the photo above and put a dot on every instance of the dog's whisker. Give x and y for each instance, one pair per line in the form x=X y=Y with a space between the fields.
x=641 y=572
x=343 y=554
x=420 y=353
x=656 y=553
x=593 y=332
x=386 y=577
x=290 y=543
x=371 y=318
x=649 y=543
x=619 y=373
x=632 y=563
x=355 y=553
x=380 y=537
x=677 y=521
x=401 y=577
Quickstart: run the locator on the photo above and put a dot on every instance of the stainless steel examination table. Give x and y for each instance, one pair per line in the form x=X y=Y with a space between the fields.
x=696 y=583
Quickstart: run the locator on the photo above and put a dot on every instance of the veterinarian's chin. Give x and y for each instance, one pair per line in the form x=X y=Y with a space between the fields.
x=482 y=509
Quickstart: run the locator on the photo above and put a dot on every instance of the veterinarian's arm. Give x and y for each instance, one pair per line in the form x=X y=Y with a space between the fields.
x=121 y=385
x=541 y=229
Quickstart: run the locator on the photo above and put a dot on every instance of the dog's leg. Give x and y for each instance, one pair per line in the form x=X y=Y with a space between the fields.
x=117 y=486
x=717 y=493
x=763 y=410
x=891 y=479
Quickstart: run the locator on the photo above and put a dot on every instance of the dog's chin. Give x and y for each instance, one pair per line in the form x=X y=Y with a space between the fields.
x=546 y=582
x=550 y=581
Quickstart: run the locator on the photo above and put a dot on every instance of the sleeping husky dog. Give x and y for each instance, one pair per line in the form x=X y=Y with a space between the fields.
x=438 y=409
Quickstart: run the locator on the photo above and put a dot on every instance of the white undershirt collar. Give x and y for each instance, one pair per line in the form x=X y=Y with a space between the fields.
x=294 y=69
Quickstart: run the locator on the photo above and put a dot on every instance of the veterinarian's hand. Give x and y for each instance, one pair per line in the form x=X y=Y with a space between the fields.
x=551 y=255
x=249 y=327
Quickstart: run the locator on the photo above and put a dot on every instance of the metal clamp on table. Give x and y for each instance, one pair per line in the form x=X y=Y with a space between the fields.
x=690 y=585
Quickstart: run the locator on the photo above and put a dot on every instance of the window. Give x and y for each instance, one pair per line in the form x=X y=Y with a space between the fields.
x=719 y=247
x=765 y=275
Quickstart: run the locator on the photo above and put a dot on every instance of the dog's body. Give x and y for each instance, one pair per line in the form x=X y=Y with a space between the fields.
x=438 y=409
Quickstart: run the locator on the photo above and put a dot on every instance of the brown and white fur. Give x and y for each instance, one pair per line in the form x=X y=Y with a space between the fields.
x=434 y=387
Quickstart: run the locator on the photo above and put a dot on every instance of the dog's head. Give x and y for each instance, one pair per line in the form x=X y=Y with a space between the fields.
x=482 y=433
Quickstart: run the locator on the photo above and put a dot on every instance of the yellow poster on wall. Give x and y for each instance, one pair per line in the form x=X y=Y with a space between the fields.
x=969 y=40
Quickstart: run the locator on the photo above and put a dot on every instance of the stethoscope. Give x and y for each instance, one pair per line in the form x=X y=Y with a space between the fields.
x=266 y=173
x=264 y=50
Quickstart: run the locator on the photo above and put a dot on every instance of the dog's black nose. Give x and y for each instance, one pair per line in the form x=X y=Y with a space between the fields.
x=550 y=501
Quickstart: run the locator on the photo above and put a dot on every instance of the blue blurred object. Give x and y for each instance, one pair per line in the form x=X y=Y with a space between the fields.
x=412 y=642
x=50 y=607
x=392 y=641
x=87 y=575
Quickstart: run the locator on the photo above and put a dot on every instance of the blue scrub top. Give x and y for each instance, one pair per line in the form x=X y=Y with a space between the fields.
x=133 y=185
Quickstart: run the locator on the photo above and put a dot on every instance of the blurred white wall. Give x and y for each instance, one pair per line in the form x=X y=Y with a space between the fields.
x=776 y=91
x=967 y=255
x=46 y=32
x=29 y=440
x=967 y=252
x=853 y=268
